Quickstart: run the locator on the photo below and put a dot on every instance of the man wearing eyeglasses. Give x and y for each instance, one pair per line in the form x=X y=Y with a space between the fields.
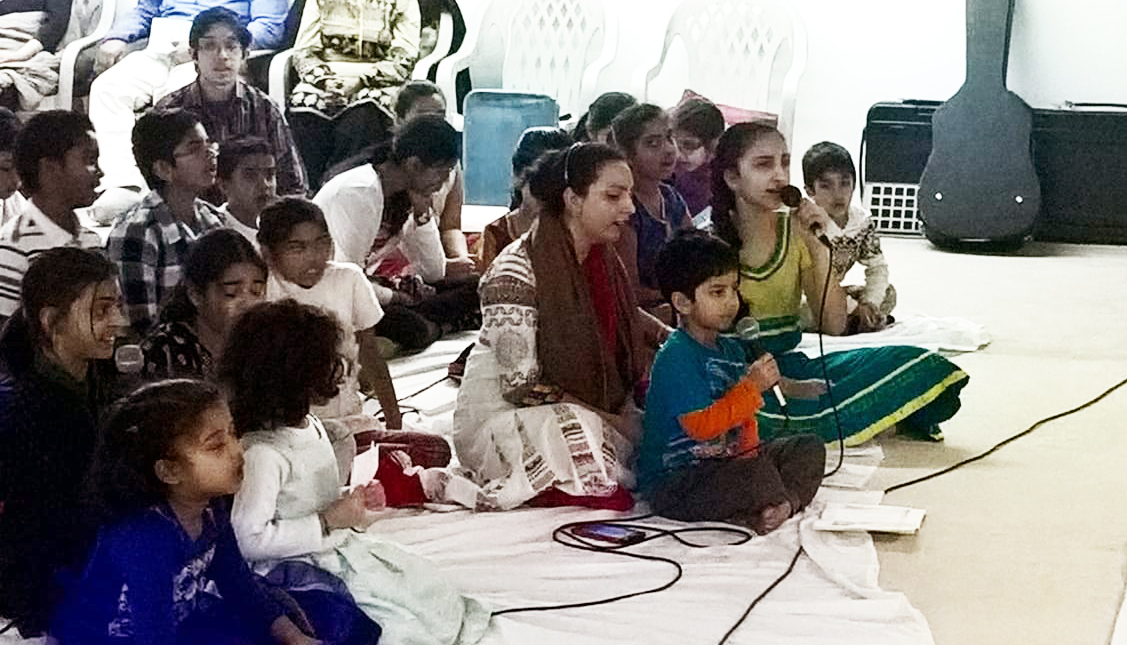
x=228 y=107
x=128 y=83
x=151 y=241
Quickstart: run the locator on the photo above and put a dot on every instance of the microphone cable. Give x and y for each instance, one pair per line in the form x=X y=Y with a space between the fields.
x=1008 y=440
x=825 y=370
x=564 y=534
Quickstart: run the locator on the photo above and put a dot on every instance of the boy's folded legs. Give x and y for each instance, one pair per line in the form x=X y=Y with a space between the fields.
x=787 y=470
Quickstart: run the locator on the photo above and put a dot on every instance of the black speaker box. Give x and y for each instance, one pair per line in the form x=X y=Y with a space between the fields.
x=1078 y=155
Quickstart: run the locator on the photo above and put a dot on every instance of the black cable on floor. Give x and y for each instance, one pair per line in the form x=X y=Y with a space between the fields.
x=997 y=446
x=761 y=596
x=564 y=535
x=414 y=394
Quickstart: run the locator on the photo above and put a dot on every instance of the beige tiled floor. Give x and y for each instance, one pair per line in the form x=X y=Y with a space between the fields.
x=1029 y=545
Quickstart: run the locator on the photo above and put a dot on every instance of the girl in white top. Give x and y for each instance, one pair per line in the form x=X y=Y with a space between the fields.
x=289 y=507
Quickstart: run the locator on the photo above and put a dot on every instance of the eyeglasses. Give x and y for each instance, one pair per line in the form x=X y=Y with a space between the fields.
x=215 y=46
x=198 y=148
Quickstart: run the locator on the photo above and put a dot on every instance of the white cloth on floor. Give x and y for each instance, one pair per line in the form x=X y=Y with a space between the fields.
x=937 y=334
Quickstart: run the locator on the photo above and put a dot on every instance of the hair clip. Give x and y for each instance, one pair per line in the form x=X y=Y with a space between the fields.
x=567 y=162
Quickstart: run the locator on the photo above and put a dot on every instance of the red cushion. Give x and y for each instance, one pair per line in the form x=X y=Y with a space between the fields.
x=619 y=500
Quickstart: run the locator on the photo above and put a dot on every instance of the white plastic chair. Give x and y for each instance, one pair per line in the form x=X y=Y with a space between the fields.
x=77 y=42
x=744 y=53
x=282 y=77
x=553 y=47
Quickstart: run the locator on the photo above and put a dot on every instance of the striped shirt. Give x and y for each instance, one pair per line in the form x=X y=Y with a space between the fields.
x=25 y=237
x=150 y=246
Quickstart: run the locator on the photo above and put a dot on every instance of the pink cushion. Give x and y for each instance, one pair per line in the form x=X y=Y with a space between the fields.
x=733 y=115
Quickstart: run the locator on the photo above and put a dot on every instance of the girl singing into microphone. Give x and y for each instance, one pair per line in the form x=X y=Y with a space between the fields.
x=781 y=259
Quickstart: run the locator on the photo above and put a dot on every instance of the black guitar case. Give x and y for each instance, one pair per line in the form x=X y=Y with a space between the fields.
x=980 y=185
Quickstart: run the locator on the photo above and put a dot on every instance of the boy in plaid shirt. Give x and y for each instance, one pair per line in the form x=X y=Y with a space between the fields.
x=150 y=241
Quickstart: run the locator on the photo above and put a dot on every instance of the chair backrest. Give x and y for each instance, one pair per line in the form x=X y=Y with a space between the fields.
x=494 y=122
x=558 y=47
x=84 y=16
x=745 y=53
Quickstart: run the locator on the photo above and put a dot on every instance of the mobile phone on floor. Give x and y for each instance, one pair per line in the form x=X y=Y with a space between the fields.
x=609 y=533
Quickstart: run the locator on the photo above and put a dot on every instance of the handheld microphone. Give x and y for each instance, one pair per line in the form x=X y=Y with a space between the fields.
x=128 y=359
x=747 y=328
x=792 y=198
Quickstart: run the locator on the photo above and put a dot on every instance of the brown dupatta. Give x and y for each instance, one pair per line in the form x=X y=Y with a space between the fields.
x=569 y=350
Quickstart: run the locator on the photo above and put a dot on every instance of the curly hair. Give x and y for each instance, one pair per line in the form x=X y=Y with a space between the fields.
x=140 y=430
x=280 y=358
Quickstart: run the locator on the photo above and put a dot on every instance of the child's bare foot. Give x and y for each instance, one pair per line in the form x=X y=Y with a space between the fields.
x=772 y=517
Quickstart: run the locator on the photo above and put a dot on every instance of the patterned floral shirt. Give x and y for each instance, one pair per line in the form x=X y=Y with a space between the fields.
x=858 y=242
x=374 y=42
x=172 y=350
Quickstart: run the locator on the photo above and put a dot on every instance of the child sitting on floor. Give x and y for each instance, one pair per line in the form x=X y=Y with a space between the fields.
x=290 y=509
x=697 y=126
x=150 y=241
x=165 y=567
x=297 y=247
x=247 y=172
x=700 y=456
x=830 y=176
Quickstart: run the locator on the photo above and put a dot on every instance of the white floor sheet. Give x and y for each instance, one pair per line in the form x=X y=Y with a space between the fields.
x=509 y=560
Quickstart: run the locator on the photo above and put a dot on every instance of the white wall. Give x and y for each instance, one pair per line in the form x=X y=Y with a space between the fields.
x=864 y=51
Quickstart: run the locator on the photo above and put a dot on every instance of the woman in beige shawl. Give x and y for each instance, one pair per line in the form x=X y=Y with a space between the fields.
x=545 y=411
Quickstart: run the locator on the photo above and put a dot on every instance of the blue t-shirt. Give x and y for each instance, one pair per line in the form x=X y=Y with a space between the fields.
x=653 y=233
x=686 y=376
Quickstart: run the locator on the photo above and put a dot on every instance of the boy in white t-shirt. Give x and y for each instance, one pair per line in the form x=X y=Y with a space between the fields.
x=296 y=245
x=247 y=173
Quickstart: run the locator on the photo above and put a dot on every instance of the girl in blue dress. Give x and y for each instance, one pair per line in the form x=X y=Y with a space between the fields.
x=165 y=567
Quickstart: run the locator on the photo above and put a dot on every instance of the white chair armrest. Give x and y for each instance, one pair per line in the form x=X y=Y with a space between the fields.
x=279 y=88
x=449 y=67
x=590 y=79
x=69 y=59
x=653 y=73
x=259 y=53
x=441 y=47
x=67 y=65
